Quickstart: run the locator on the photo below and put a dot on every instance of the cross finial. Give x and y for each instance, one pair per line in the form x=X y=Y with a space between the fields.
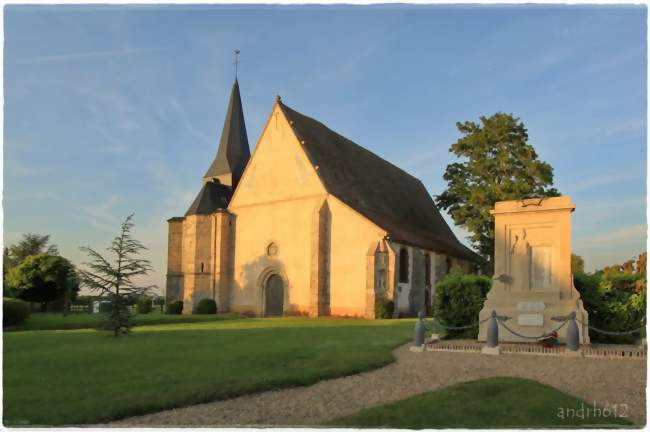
x=236 y=63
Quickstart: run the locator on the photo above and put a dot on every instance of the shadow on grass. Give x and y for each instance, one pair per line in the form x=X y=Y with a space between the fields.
x=487 y=403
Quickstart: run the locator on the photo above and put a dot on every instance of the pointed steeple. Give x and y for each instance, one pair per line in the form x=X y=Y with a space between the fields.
x=234 y=153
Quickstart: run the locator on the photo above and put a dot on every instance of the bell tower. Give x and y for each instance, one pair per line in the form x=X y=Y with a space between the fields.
x=199 y=255
x=234 y=153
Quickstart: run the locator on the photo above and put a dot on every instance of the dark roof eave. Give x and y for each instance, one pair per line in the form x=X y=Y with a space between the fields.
x=457 y=251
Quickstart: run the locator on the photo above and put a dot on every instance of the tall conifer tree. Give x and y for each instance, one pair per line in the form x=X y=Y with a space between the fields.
x=113 y=277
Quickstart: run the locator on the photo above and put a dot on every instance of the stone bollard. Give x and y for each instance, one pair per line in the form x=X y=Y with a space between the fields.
x=573 y=335
x=435 y=337
x=418 y=345
x=492 y=340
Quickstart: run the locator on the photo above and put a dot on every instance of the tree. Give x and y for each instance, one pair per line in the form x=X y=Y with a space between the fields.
x=628 y=267
x=577 y=264
x=43 y=278
x=30 y=244
x=642 y=263
x=500 y=165
x=113 y=277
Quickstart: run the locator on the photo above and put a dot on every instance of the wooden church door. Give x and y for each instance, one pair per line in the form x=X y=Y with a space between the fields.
x=274 y=296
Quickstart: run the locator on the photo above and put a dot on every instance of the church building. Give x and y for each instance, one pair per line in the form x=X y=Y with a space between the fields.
x=310 y=224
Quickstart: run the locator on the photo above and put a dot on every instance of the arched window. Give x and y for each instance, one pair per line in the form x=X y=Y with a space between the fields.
x=404 y=265
x=427 y=269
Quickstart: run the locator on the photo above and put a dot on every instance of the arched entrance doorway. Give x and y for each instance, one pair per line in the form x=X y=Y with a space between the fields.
x=274 y=296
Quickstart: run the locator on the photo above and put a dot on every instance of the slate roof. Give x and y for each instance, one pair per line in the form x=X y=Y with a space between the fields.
x=234 y=152
x=388 y=196
x=212 y=197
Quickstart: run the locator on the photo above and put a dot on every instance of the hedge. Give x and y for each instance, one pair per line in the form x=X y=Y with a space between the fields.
x=144 y=305
x=175 y=307
x=614 y=303
x=15 y=311
x=458 y=300
x=384 y=309
x=206 y=307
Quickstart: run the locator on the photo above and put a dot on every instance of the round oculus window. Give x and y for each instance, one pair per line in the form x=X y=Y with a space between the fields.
x=271 y=249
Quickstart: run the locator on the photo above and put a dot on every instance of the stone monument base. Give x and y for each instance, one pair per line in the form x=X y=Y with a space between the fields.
x=530 y=315
x=491 y=350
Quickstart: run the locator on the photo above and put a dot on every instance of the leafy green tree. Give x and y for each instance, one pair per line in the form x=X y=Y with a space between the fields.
x=113 y=277
x=642 y=263
x=628 y=267
x=499 y=165
x=43 y=278
x=577 y=264
x=30 y=244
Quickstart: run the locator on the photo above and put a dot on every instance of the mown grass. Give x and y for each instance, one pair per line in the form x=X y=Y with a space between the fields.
x=486 y=403
x=87 y=376
x=57 y=321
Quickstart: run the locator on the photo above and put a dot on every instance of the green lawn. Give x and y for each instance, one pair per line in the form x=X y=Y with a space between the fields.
x=486 y=403
x=56 y=321
x=84 y=376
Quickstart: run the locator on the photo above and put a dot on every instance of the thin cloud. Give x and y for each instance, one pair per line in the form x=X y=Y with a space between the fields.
x=83 y=55
x=624 y=126
x=621 y=235
x=29 y=196
x=100 y=215
x=603 y=180
x=175 y=105
x=17 y=169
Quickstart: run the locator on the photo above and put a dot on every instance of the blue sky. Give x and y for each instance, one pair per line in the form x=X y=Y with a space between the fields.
x=118 y=109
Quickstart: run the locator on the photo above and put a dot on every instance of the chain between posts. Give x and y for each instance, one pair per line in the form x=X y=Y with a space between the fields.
x=477 y=323
x=502 y=322
x=502 y=319
x=612 y=333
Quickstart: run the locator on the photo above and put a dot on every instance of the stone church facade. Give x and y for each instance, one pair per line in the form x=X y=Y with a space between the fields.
x=310 y=224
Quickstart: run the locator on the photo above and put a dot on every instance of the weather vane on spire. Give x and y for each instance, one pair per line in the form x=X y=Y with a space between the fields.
x=236 y=63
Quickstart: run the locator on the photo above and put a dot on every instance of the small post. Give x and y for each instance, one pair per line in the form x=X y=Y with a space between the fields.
x=492 y=340
x=418 y=345
x=573 y=334
x=435 y=337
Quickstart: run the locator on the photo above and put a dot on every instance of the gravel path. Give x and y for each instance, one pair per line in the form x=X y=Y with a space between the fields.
x=602 y=381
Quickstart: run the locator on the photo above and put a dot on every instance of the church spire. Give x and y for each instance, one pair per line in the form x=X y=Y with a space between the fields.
x=234 y=153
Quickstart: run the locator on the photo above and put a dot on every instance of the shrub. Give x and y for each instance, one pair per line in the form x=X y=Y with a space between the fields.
x=458 y=301
x=206 y=307
x=384 y=309
x=175 y=307
x=144 y=305
x=615 y=302
x=15 y=311
x=158 y=301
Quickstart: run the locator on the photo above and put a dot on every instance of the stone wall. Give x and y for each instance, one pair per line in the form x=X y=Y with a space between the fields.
x=174 y=288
